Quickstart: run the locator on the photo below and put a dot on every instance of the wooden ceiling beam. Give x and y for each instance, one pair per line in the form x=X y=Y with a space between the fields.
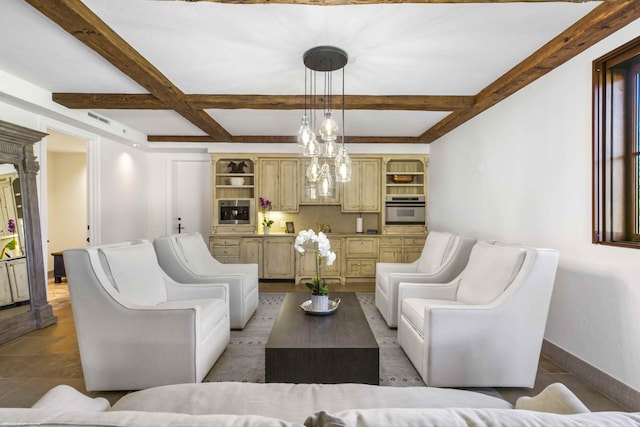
x=263 y=102
x=271 y=139
x=79 y=21
x=598 y=24
x=364 y=2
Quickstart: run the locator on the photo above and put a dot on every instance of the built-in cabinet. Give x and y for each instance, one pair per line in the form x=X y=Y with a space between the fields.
x=361 y=255
x=306 y=264
x=278 y=260
x=356 y=255
x=362 y=193
x=251 y=252
x=404 y=175
x=7 y=206
x=233 y=178
x=400 y=249
x=306 y=195
x=279 y=183
x=281 y=180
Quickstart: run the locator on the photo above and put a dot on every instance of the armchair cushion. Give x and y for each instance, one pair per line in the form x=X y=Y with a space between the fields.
x=414 y=311
x=212 y=310
x=435 y=251
x=196 y=254
x=139 y=285
x=489 y=271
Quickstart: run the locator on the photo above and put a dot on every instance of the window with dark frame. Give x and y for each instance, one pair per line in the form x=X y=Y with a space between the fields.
x=616 y=147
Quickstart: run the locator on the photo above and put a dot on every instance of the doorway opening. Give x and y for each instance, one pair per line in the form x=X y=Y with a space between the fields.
x=67 y=223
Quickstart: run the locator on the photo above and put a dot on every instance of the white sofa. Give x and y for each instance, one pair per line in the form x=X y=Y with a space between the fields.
x=312 y=405
x=136 y=327
x=443 y=257
x=186 y=258
x=485 y=328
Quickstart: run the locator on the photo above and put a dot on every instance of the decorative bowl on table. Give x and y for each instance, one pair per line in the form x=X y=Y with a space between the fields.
x=307 y=307
x=402 y=179
x=236 y=180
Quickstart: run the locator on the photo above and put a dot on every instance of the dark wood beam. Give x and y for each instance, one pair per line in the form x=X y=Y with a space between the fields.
x=361 y=2
x=263 y=102
x=79 y=21
x=598 y=24
x=270 y=139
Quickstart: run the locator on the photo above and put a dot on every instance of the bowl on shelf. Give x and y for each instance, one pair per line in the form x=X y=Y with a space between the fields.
x=402 y=179
x=236 y=180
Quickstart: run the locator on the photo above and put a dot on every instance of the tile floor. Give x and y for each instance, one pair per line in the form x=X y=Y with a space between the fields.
x=33 y=363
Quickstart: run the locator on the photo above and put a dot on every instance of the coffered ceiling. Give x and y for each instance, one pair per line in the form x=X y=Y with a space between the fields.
x=232 y=71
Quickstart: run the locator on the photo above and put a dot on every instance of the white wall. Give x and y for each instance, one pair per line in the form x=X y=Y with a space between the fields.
x=123 y=192
x=521 y=172
x=67 y=202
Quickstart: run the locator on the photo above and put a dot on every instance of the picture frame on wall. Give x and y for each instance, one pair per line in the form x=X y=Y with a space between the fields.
x=290 y=228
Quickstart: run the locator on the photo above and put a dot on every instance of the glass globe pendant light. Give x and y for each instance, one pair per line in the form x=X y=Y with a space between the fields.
x=304 y=133
x=325 y=183
x=313 y=170
x=325 y=59
x=343 y=165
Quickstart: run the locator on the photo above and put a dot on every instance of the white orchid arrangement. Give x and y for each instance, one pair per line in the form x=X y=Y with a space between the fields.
x=318 y=285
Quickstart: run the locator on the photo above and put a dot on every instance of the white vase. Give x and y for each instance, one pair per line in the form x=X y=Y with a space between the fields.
x=265 y=230
x=320 y=302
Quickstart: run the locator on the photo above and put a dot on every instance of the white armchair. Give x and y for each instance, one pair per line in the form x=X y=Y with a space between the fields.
x=136 y=327
x=485 y=328
x=186 y=258
x=443 y=257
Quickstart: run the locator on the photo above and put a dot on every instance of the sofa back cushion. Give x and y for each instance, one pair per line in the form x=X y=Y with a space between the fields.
x=136 y=273
x=195 y=254
x=436 y=249
x=490 y=270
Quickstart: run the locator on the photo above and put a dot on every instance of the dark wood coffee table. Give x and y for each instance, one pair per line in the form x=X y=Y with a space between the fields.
x=331 y=349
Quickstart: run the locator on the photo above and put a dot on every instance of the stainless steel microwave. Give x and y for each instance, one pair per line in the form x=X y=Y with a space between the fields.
x=405 y=210
x=234 y=212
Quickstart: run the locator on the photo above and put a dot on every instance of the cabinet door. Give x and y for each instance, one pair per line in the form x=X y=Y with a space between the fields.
x=269 y=176
x=370 y=186
x=288 y=185
x=362 y=193
x=18 y=279
x=278 y=258
x=279 y=183
x=303 y=197
x=390 y=254
x=351 y=190
x=251 y=250
x=5 y=286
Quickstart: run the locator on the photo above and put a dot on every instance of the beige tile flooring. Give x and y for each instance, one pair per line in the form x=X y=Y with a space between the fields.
x=33 y=363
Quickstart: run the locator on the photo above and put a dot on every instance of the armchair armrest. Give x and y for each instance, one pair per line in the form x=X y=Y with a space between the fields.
x=182 y=291
x=486 y=335
x=384 y=268
x=442 y=291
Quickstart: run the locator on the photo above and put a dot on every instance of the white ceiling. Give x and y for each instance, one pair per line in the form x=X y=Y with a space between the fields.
x=212 y=48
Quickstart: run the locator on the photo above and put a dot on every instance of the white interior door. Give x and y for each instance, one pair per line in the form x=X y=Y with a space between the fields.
x=191 y=197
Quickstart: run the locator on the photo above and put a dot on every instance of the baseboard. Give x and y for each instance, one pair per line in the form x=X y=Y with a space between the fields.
x=594 y=377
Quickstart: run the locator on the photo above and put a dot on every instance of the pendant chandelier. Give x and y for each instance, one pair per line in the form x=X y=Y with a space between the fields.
x=329 y=163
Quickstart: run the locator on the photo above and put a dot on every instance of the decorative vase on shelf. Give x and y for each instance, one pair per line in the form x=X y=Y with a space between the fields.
x=266 y=229
x=320 y=303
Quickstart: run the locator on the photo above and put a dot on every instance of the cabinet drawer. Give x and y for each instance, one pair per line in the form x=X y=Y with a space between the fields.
x=362 y=247
x=226 y=241
x=226 y=251
x=414 y=241
x=391 y=241
x=229 y=260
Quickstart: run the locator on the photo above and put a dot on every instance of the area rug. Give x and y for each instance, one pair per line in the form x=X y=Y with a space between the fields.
x=243 y=360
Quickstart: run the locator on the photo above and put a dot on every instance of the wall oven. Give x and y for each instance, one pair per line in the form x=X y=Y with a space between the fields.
x=405 y=210
x=234 y=212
